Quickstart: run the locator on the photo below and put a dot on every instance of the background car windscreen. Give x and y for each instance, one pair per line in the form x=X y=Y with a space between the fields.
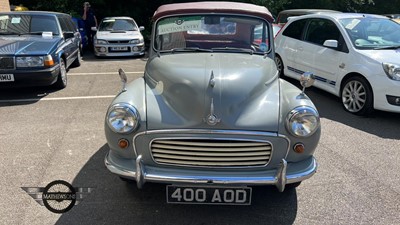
x=24 y=24
x=371 y=33
x=117 y=25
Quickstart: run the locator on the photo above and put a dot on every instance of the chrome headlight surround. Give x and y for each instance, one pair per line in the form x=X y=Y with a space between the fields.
x=30 y=61
x=392 y=71
x=122 y=118
x=302 y=121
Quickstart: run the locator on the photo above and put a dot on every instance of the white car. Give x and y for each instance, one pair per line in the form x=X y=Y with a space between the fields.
x=353 y=56
x=119 y=36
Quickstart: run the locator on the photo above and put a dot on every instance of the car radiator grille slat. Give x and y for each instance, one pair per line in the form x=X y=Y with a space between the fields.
x=6 y=63
x=210 y=152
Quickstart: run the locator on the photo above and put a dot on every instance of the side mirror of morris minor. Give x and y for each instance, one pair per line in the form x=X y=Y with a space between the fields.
x=124 y=79
x=307 y=79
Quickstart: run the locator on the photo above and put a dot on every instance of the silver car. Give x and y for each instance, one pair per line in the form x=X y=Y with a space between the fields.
x=119 y=36
x=211 y=117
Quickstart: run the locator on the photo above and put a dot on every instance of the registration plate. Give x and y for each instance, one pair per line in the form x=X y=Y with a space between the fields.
x=119 y=48
x=209 y=195
x=6 y=77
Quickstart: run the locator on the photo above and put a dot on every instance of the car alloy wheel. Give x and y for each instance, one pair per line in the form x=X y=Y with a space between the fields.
x=78 y=59
x=62 y=76
x=357 y=96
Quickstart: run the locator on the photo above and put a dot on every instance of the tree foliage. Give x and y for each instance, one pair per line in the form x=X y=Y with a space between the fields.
x=142 y=10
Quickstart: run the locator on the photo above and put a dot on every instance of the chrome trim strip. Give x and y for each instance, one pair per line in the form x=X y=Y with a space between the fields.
x=279 y=180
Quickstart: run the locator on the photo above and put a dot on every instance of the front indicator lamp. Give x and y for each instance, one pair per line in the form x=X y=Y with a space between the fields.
x=123 y=143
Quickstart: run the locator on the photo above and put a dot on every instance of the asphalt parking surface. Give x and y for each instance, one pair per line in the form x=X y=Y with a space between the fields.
x=48 y=135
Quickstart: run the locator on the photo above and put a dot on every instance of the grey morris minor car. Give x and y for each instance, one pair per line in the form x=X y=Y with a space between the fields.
x=210 y=117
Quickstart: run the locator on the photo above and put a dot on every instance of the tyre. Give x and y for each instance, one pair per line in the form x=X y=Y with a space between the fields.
x=292 y=185
x=78 y=59
x=62 y=76
x=357 y=96
x=279 y=65
x=127 y=180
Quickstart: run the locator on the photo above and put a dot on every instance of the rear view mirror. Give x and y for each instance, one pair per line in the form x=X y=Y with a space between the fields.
x=210 y=20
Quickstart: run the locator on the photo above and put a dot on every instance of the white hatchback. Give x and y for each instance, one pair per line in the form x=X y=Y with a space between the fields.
x=353 y=56
x=119 y=36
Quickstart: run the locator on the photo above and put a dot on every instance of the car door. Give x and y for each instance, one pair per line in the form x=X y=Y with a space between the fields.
x=288 y=45
x=311 y=54
x=69 y=40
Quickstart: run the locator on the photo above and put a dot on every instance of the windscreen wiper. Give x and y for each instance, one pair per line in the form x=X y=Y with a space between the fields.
x=189 y=49
x=8 y=33
x=234 y=49
x=387 y=47
x=32 y=33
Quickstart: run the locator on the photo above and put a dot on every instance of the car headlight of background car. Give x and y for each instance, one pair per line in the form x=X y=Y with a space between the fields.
x=302 y=121
x=30 y=61
x=101 y=42
x=137 y=41
x=122 y=118
x=34 y=61
x=392 y=71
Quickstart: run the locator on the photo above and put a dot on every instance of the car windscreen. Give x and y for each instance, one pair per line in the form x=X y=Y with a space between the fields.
x=117 y=25
x=372 y=33
x=212 y=33
x=28 y=24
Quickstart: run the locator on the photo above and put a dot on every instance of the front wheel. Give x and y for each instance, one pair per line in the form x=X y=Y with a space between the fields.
x=279 y=65
x=62 y=76
x=77 y=61
x=357 y=96
x=292 y=185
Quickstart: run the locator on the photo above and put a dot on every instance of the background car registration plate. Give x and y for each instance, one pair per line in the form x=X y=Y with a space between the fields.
x=209 y=195
x=119 y=48
x=6 y=77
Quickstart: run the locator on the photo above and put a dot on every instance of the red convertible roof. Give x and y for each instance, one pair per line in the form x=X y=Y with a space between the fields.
x=213 y=7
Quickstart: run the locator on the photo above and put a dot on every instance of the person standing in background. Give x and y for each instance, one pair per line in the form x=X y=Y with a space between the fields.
x=90 y=21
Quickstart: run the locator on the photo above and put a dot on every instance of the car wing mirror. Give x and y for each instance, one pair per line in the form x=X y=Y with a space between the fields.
x=331 y=43
x=307 y=79
x=124 y=79
x=141 y=28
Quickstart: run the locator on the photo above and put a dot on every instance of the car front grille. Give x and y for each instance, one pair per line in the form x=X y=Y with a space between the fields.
x=211 y=152
x=6 y=63
x=119 y=42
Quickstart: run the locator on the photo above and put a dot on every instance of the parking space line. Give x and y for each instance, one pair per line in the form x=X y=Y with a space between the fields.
x=104 y=73
x=55 y=99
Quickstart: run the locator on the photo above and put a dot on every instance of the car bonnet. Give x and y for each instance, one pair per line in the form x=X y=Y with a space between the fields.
x=240 y=91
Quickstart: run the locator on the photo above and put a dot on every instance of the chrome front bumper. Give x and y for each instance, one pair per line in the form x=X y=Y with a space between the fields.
x=287 y=173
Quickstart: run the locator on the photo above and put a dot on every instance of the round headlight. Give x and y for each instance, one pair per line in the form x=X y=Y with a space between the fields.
x=122 y=118
x=302 y=121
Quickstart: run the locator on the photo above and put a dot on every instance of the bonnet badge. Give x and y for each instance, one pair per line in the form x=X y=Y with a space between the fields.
x=212 y=119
